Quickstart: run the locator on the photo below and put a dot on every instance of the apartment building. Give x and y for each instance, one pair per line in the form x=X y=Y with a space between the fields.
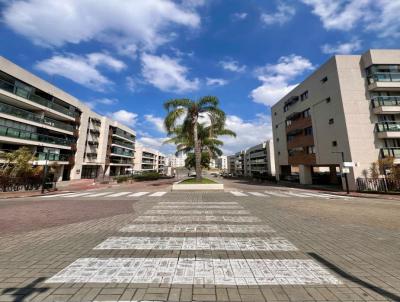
x=59 y=129
x=345 y=115
x=254 y=161
x=148 y=159
x=222 y=163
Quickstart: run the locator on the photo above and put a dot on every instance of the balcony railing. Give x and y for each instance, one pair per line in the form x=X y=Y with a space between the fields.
x=26 y=94
x=388 y=126
x=384 y=77
x=121 y=152
x=385 y=101
x=123 y=134
x=52 y=156
x=390 y=152
x=21 y=113
x=22 y=134
x=120 y=143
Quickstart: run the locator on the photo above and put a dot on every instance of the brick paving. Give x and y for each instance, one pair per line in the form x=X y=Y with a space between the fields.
x=344 y=252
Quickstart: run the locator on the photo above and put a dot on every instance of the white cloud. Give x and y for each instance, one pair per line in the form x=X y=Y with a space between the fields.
x=157 y=143
x=239 y=16
x=124 y=117
x=131 y=83
x=232 y=65
x=283 y=14
x=157 y=122
x=277 y=78
x=118 y=22
x=342 y=48
x=107 y=101
x=249 y=133
x=216 y=82
x=167 y=74
x=81 y=69
x=380 y=16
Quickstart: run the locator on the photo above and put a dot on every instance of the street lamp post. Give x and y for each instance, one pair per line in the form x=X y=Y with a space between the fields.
x=345 y=174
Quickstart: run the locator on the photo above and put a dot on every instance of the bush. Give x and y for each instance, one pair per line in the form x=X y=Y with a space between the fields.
x=121 y=179
x=147 y=176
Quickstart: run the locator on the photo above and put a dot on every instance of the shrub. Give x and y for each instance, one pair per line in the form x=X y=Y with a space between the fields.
x=147 y=176
x=121 y=179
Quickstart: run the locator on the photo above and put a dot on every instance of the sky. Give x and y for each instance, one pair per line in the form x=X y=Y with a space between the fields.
x=125 y=58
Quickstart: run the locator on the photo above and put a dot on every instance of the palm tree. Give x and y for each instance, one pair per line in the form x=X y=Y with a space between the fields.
x=191 y=134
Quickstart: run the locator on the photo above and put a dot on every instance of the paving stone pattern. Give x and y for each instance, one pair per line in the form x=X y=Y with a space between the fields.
x=197 y=228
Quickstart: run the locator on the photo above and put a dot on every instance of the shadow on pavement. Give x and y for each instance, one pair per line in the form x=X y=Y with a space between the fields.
x=354 y=279
x=20 y=294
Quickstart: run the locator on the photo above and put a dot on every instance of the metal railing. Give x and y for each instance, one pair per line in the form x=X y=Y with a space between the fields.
x=378 y=185
x=384 y=77
x=52 y=156
x=22 y=134
x=385 y=101
x=390 y=152
x=27 y=94
x=21 y=113
x=388 y=126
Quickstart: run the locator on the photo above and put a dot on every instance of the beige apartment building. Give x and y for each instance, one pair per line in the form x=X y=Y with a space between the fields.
x=61 y=131
x=148 y=159
x=254 y=161
x=345 y=115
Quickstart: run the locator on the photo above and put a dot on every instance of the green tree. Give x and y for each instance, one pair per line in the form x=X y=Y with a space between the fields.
x=191 y=134
x=374 y=170
x=190 y=161
x=18 y=163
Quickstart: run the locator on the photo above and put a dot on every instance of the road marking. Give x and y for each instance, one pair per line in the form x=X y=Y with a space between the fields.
x=158 y=194
x=138 y=194
x=240 y=194
x=197 y=243
x=184 y=207
x=76 y=195
x=198 y=228
x=200 y=271
x=202 y=203
x=58 y=195
x=258 y=194
x=98 y=194
x=277 y=194
x=118 y=194
x=206 y=218
x=197 y=212
x=297 y=194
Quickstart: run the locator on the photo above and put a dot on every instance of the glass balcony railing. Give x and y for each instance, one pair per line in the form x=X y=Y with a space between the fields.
x=384 y=77
x=124 y=134
x=125 y=144
x=390 y=152
x=52 y=156
x=21 y=113
x=385 y=101
x=22 y=134
x=388 y=126
x=119 y=151
x=26 y=94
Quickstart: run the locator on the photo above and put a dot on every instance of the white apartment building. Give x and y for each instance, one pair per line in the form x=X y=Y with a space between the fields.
x=177 y=161
x=59 y=129
x=148 y=159
x=348 y=110
x=222 y=163
x=254 y=161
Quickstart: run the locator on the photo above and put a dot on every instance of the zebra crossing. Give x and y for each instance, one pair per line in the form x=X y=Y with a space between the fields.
x=288 y=194
x=256 y=237
x=109 y=194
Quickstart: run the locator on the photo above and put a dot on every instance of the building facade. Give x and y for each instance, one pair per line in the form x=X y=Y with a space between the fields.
x=253 y=162
x=59 y=129
x=347 y=111
x=222 y=163
x=149 y=160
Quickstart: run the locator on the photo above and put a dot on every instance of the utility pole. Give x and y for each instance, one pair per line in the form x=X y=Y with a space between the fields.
x=345 y=174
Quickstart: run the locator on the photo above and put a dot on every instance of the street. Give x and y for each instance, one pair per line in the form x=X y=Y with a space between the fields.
x=249 y=243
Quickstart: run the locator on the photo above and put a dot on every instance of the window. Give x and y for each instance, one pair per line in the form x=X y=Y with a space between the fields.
x=324 y=80
x=279 y=152
x=328 y=100
x=310 y=149
x=308 y=131
x=288 y=123
x=331 y=121
x=306 y=113
x=274 y=113
x=276 y=126
x=304 y=96
x=277 y=139
x=334 y=144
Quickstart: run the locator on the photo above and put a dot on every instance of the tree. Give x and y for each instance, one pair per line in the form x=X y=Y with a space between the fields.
x=18 y=163
x=189 y=134
x=190 y=161
x=374 y=170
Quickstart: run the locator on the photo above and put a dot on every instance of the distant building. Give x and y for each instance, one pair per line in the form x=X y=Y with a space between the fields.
x=222 y=163
x=177 y=161
x=148 y=159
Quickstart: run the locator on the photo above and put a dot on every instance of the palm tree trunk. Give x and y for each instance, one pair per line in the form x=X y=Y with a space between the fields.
x=197 y=151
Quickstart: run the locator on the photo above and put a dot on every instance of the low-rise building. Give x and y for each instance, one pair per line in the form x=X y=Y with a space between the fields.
x=222 y=163
x=59 y=129
x=148 y=160
x=343 y=117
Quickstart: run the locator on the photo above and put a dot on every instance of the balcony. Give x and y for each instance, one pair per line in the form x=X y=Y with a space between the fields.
x=52 y=156
x=390 y=152
x=299 y=123
x=123 y=134
x=24 y=114
x=386 y=104
x=123 y=144
x=388 y=129
x=121 y=152
x=31 y=136
x=302 y=158
x=384 y=81
x=300 y=141
x=26 y=94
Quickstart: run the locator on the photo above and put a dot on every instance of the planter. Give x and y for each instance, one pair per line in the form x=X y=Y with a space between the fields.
x=178 y=186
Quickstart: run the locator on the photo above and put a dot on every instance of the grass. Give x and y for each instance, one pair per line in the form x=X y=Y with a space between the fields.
x=203 y=181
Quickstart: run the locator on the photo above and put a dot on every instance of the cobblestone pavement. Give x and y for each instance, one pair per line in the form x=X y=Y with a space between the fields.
x=224 y=248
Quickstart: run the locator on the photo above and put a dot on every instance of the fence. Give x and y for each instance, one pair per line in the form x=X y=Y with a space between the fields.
x=378 y=185
x=14 y=184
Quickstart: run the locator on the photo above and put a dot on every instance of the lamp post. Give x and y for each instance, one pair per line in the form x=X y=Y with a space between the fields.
x=44 y=175
x=345 y=174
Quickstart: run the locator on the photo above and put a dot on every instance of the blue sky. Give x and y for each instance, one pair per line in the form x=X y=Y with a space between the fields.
x=126 y=57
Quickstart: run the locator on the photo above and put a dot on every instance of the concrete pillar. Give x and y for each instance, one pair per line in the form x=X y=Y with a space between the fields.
x=333 y=179
x=107 y=171
x=60 y=173
x=305 y=174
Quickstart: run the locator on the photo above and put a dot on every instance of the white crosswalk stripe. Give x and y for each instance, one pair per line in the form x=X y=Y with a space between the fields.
x=158 y=194
x=298 y=194
x=76 y=195
x=58 y=195
x=98 y=194
x=276 y=194
x=138 y=194
x=238 y=193
x=258 y=194
x=118 y=194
